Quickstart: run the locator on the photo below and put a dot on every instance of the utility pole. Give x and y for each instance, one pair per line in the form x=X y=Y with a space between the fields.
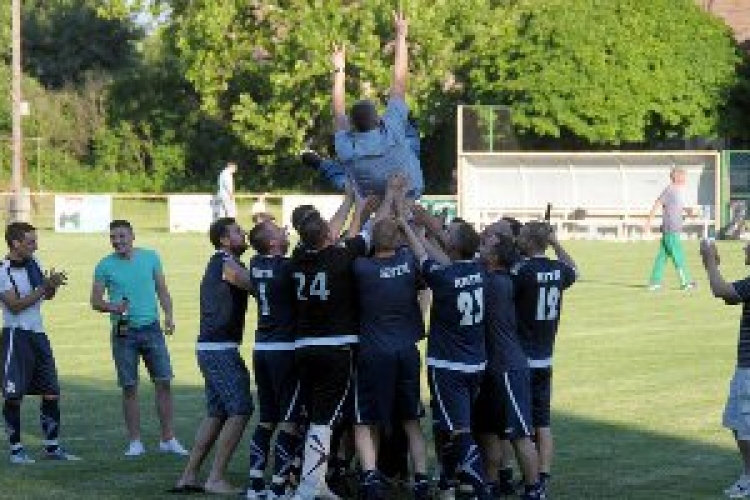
x=19 y=211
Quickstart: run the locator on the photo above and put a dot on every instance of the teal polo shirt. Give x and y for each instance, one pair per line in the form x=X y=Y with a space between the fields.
x=134 y=278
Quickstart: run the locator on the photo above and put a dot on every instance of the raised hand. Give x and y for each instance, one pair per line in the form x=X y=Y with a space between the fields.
x=338 y=57
x=400 y=23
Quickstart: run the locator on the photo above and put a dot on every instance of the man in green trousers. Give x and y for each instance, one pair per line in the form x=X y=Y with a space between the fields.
x=672 y=203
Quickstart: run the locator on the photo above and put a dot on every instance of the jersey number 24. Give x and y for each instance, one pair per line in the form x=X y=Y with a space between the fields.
x=317 y=287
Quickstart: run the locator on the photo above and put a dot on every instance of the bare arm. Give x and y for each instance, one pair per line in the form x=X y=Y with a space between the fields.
x=719 y=286
x=560 y=252
x=336 y=224
x=401 y=61
x=237 y=275
x=340 y=120
x=18 y=304
x=652 y=213
x=165 y=300
x=99 y=304
x=432 y=224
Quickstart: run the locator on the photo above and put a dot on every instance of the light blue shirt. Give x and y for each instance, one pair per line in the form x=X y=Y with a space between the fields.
x=372 y=157
x=134 y=278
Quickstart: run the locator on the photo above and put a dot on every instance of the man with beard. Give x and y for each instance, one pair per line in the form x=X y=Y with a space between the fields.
x=223 y=303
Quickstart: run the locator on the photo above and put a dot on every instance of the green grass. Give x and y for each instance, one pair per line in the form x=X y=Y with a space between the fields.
x=640 y=380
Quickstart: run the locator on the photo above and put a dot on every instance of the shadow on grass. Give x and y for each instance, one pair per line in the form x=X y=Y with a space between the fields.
x=594 y=460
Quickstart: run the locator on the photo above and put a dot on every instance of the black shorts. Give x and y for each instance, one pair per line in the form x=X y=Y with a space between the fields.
x=504 y=404
x=278 y=386
x=541 y=396
x=326 y=376
x=28 y=364
x=452 y=396
x=227 y=383
x=387 y=386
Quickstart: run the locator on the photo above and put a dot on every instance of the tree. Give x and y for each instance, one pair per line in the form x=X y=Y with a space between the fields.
x=635 y=72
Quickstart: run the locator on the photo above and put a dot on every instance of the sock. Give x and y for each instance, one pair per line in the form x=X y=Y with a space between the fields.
x=12 y=417
x=284 y=453
x=544 y=478
x=315 y=461
x=421 y=487
x=369 y=485
x=504 y=483
x=49 y=417
x=260 y=445
x=448 y=462
x=470 y=465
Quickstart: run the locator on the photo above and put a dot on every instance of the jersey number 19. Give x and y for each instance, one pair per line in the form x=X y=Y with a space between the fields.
x=547 y=304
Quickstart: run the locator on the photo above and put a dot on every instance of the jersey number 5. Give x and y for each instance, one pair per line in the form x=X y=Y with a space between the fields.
x=471 y=307
x=547 y=304
x=317 y=286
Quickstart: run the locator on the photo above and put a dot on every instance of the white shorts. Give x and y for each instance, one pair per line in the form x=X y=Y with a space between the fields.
x=737 y=410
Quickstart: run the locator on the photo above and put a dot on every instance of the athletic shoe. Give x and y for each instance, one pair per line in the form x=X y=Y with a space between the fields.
x=688 y=286
x=445 y=494
x=325 y=493
x=135 y=449
x=740 y=488
x=654 y=287
x=60 y=454
x=173 y=446
x=20 y=457
x=252 y=494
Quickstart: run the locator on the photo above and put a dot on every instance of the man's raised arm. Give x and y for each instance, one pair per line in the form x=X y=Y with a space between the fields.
x=338 y=58
x=401 y=62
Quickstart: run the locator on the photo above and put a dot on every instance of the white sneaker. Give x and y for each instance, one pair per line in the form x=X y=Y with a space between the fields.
x=135 y=449
x=173 y=446
x=252 y=494
x=740 y=488
x=20 y=457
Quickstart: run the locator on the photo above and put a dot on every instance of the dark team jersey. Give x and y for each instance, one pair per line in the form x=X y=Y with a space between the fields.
x=539 y=284
x=390 y=316
x=504 y=352
x=222 y=305
x=742 y=288
x=456 y=336
x=326 y=308
x=274 y=297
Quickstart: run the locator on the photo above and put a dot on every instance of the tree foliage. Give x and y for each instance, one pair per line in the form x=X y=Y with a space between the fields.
x=161 y=101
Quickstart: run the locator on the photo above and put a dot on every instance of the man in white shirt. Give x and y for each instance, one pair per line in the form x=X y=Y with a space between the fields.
x=225 y=195
x=28 y=363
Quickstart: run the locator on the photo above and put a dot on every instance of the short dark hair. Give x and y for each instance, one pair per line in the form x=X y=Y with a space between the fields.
x=466 y=240
x=219 y=229
x=364 y=116
x=120 y=223
x=515 y=225
x=16 y=231
x=536 y=237
x=260 y=237
x=385 y=234
x=504 y=250
x=300 y=213
x=313 y=230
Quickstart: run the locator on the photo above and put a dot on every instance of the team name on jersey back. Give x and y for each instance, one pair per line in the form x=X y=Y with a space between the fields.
x=393 y=272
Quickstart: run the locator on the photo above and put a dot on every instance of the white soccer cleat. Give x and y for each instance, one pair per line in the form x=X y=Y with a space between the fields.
x=135 y=449
x=173 y=446
x=740 y=488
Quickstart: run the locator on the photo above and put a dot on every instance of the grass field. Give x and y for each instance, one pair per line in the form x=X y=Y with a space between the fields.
x=640 y=381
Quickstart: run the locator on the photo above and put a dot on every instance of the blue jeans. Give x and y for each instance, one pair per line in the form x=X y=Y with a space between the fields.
x=335 y=173
x=146 y=341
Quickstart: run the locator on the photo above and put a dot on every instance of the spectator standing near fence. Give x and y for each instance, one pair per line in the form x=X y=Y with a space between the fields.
x=672 y=203
x=133 y=279
x=736 y=417
x=227 y=207
x=28 y=363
